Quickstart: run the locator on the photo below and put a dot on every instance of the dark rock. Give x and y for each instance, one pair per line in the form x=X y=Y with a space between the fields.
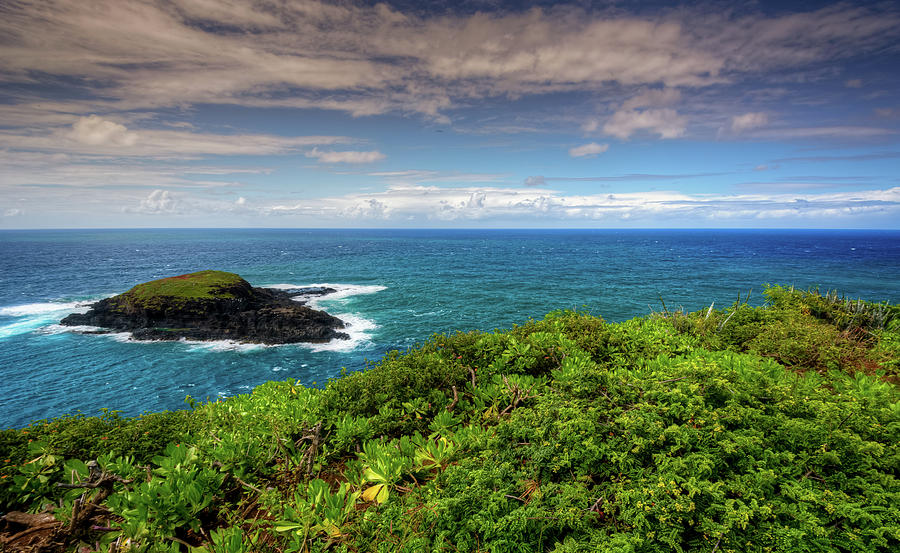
x=303 y=295
x=211 y=305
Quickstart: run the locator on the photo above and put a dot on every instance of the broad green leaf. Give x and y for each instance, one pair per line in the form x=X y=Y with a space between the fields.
x=377 y=493
x=286 y=526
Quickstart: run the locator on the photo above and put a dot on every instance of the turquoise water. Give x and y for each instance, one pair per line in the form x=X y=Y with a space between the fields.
x=396 y=288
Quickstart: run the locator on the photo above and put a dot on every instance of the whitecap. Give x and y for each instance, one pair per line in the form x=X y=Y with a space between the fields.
x=341 y=291
x=87 y=329
x=434 y=313
x=44 y=308
x=60 y=329
x=223 y=345
x=356 y=327
x=34 y=316
x=21 y=327
x=122 y=337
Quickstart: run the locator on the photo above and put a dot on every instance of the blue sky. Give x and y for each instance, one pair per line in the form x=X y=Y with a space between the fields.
x=265 y=113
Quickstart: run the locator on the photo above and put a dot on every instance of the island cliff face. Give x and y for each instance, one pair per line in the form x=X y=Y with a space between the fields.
x=211 y=305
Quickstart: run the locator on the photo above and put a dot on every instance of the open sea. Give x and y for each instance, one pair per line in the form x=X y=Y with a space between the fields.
x=395 y=289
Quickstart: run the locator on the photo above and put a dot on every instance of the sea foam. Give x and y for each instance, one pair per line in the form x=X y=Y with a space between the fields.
x=46 y=308
x=341 y=291
x=223 y=345
x=60 y=329
x=21 y=327
x=35 y=316
x=356 y=326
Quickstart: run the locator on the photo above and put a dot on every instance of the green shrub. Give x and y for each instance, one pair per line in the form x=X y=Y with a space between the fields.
x=771 y=428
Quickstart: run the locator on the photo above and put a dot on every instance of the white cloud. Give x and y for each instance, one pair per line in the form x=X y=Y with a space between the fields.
x=649 y=110
x=748 y=121
x=135 y=63
x=82 y=172
x=345 y=157
x=13 y=212
x=367 y=60
x=491 y=206
x=421 y=203
x=666 y=122
x=94 y=135
x=853 y=83
x=96 y=131
x=549 y=50
x=588 y=150
x=366 y=209
x=158 y=202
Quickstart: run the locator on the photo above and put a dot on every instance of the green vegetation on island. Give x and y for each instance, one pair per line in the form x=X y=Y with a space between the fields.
x=771 y=428
x=192 y=286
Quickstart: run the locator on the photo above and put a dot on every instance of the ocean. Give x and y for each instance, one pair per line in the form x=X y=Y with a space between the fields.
x=395 y=288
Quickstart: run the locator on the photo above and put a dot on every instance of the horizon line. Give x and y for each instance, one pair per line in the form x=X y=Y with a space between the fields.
x=452 y=228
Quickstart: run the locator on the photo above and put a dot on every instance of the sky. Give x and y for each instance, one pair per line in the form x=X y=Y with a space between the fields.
x=466 y=114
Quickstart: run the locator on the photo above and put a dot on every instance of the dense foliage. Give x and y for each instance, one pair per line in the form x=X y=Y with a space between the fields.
x=769 y=428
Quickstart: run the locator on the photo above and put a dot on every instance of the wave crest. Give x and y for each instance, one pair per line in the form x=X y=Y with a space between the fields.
x=44 y=308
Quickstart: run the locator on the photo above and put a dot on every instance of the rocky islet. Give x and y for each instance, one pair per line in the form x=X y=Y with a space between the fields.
x=213 y=305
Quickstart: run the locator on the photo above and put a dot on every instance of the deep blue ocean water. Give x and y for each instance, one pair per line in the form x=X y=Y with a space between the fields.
x=396 y=288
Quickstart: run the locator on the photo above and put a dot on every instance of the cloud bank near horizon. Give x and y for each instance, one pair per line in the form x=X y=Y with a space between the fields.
x=472 y=204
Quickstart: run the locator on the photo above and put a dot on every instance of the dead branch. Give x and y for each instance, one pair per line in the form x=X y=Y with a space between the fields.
x=455 y=399
x=85 y=508
x=664 y=306
x=314 y=438
x=518 y=396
